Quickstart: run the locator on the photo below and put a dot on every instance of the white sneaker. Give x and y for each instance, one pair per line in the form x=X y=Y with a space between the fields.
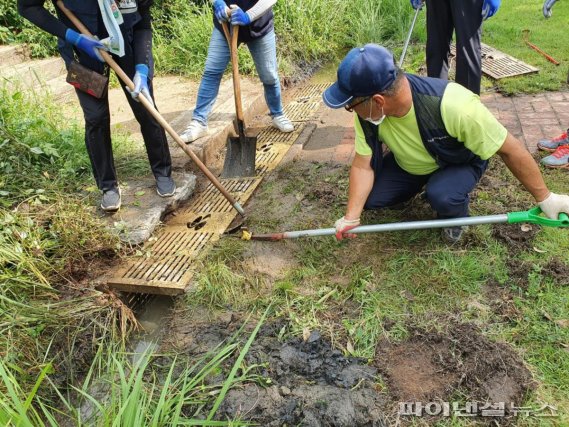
x=194 y=131
x=283 y=124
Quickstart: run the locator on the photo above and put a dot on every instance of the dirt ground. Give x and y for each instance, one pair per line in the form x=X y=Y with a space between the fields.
x=312 y=381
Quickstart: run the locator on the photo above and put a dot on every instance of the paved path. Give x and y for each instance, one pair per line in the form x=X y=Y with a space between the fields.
x=527 y=117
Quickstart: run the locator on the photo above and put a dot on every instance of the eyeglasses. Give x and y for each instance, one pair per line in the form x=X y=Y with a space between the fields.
x=350 y=108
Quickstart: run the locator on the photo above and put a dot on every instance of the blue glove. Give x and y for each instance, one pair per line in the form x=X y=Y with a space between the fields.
x=88 y=45
x=238 y=17
x=220 y=10
x=489 y=8
x=417 y=4
x=547 y=5
x=140 y=81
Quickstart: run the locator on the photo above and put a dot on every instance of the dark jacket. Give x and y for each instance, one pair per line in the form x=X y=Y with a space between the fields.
x=136 y=29
x=445 y=149
x=257 y=29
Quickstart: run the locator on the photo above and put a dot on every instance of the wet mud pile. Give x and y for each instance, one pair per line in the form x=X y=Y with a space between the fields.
x=302 y=382
x=433 y=366
x=311 y=384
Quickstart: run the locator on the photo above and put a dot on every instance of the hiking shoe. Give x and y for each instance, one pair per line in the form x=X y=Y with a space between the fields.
x=559 y=158
x=165 y=186
x=553 y=144
x=111 y=201
x=283 y=124
x=453 y=235
x=194 y=131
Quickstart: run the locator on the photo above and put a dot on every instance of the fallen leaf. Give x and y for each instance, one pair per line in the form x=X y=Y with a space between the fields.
x=562 y=323
x=350 y=347
x=305 y=334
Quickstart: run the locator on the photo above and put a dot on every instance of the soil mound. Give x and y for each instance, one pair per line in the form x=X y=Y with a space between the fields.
x=432 y=366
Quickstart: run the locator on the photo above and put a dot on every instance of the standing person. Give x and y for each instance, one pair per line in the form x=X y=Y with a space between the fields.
x=131 y=30
x=255 y=18
x=464 y=17
x=440 y=137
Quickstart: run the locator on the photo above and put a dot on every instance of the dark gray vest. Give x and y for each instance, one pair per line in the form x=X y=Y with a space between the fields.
x=445 y=149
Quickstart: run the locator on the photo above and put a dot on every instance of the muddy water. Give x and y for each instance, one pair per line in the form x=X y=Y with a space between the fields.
x=153 y=318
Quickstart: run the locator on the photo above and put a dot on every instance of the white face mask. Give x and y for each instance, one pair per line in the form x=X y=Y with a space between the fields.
x=378 y=121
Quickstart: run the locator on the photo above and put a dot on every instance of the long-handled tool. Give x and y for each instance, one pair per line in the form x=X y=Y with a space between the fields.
x=409 y=36
x=148 y=105
x=525 y=34
x=241 y=150
x=532 y=216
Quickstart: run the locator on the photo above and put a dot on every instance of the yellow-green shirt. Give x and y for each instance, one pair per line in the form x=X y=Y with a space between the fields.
x=465 y=118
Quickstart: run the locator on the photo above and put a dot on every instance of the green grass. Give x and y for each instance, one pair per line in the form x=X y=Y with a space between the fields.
x=132 y=390
x=504 y=32
x=377 y=286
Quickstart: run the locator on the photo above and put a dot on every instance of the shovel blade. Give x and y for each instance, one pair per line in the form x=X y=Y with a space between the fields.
x=240 y=157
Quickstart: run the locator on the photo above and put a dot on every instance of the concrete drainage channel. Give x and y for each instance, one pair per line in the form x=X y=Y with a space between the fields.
x=166 y=268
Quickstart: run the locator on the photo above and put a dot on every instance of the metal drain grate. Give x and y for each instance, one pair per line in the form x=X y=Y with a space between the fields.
x=266 y=158
x=499 y=65
x=213 y=201
x=301 y=111
x=313 y=91
x=275 y=135
x=167 y=267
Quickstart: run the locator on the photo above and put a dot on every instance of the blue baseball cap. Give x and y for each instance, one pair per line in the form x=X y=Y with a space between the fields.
x=364 y=71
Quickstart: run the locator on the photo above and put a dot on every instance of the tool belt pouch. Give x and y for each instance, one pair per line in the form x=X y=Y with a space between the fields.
x=86 y=80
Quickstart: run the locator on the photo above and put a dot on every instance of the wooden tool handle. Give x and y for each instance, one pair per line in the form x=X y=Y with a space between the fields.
x=232 y=38
x=148 y=105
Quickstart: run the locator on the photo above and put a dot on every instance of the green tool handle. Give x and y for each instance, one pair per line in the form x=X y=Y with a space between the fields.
x=533 y=216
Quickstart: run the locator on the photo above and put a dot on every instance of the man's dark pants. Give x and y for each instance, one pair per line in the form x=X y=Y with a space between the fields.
x=446 y=189
x=98 y=128
x=464 y=17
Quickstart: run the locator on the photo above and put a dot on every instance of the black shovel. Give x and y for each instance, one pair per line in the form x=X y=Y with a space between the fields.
x=240 y=156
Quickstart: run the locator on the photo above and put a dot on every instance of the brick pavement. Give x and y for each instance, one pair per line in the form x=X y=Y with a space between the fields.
x=527 y=117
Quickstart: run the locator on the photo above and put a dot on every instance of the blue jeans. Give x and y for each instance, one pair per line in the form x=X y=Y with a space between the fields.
x=264 y=53
x=447 y=190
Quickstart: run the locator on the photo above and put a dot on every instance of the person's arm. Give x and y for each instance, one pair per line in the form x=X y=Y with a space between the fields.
x=36 y=13
x=524 y=167
x=260 y=9
x=361 y=183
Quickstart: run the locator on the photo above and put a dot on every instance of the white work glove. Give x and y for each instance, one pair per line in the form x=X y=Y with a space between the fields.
x=343 y=225
x=554 y=204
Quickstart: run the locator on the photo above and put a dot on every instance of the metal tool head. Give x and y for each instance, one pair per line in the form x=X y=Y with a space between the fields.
x=240 y=155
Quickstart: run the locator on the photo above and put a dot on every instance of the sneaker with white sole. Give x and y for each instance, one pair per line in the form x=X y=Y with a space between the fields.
x=283 y=124
x=111 y=200
x=165 y=186
x=194 y=131
x=554 y=143
x=558 y=159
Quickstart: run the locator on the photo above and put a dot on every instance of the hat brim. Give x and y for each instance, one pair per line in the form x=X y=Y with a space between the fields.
x=334 y=97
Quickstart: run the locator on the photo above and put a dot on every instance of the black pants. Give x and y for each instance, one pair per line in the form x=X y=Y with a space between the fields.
x=98 y=131
x=465 y=18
